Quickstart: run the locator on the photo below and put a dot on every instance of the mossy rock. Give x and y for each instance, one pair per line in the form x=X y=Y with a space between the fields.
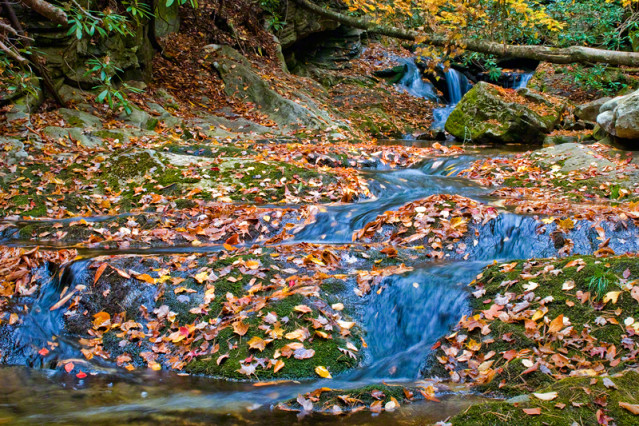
x=488 y=113
x=580 y=400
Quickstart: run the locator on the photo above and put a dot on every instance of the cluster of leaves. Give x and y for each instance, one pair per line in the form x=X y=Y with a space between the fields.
x=438 y=222
x=538 y=321
x=240 y=316
x=374 y=398
x=541 y=176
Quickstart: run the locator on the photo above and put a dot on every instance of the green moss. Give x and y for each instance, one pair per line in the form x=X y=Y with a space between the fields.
x=578 y=401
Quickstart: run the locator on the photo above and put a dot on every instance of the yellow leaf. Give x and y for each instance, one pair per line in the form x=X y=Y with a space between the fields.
x=101 y=319
x=201 y=277
x=257 y=343
x=566 y=224
x=278 y=366
x=548 y=220
x=252 y=264
x=611 y=296
x=323 y=372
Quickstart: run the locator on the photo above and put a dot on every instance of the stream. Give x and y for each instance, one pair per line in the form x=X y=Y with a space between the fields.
x=401 y=322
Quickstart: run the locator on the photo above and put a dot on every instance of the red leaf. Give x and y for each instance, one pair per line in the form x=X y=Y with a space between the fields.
x=81 y=375
x=44 y=352
x=68 y=367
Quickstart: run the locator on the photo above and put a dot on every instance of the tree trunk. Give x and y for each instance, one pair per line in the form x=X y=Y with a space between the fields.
x=47 y=10
x=540 y=53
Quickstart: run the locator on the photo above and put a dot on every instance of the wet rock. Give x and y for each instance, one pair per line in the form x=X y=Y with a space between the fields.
x=577 y=157
x=300 y=24
x=488 y=113
x=619 y=117
x=589 y=111
x=433 y=135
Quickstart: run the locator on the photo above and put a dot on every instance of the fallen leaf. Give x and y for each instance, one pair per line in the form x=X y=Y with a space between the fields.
x=323 y=372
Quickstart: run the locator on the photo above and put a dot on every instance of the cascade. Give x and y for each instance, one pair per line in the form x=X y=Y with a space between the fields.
x=413 y=83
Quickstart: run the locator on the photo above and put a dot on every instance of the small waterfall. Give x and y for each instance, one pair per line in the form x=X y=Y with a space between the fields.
x=413 y=83
x=457 y=85
x=523 y=80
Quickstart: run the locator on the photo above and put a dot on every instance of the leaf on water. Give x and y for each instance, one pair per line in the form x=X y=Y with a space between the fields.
x=391 y=405
x=376 y=407
x=548 y=396
x=307 y=406
x=323 y=372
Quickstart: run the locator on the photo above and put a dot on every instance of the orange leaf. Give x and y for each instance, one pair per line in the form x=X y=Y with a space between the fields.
x=532 y=411
x=556 y=325
x=99 y=272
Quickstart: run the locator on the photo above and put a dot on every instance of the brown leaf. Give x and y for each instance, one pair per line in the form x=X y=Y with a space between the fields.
x=532 y=411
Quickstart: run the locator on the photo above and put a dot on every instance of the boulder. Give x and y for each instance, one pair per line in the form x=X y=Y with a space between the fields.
x=489 y=113
x=619 y=117
x=242 y=81
x=75 y=118
x=590 y=110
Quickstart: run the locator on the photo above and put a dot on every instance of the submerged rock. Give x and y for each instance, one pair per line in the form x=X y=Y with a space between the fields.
x=620 y=117
x=488 y=113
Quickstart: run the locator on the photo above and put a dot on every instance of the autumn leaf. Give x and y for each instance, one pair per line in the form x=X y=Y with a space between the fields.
x=278 y=366
x=548 y=396
x=240 y=328
x=258 y=343
x=633 y=408
x=146 y=278
x=101 y=319
x=323 y=372
x=532 y=411
x=99 y=272
x=556 y=325
x=611 y=296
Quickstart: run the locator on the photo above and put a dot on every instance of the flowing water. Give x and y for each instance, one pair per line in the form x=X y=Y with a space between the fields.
x=402 y=320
